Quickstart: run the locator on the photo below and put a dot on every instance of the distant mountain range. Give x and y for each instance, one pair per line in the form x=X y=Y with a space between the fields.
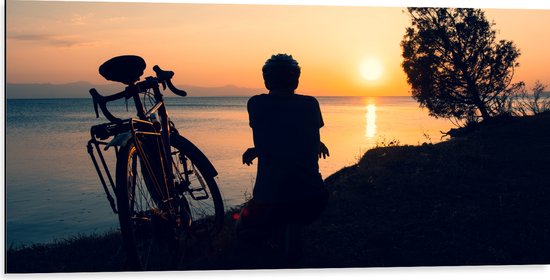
x=81 y=90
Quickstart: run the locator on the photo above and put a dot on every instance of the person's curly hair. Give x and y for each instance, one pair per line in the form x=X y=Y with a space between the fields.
x=281 y=72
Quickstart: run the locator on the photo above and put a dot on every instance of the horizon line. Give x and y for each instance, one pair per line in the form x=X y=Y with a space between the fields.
x=212 y=96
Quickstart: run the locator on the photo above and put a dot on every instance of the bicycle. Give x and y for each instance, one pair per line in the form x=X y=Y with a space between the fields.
x=165 y=188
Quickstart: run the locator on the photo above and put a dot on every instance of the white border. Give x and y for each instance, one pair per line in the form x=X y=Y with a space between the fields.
x=535 y=272
x=508 y=4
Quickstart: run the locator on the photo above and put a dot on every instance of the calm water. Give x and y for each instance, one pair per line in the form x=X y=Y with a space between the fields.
x=53 y=192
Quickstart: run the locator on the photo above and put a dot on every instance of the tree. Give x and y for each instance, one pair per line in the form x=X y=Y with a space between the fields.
x=523 y=103
x=454 y=64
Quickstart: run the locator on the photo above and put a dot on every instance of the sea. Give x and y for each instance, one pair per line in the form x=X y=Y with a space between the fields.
x=53 y=193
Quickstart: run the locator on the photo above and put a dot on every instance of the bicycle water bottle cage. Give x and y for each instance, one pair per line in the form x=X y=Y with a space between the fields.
x=126 y=69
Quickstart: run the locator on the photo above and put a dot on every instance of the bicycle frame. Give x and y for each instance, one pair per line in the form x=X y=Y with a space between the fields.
x=132 y=130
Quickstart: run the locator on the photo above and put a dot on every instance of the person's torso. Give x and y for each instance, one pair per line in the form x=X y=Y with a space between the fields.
x=286 y=136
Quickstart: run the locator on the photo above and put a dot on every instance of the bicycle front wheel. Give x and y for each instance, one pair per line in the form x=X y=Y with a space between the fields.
x=194 y=180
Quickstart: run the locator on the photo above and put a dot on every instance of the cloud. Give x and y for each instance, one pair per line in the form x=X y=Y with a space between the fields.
x=117 y=19
x=50 y=39
x=78 y=19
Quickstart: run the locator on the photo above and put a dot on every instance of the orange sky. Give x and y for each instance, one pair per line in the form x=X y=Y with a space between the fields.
x=217 y=45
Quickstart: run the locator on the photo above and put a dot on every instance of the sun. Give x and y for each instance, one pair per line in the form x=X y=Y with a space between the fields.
x=371 y=69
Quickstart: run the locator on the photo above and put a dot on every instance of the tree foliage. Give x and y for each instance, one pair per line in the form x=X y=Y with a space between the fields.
x=522 y=103
x=455 y=65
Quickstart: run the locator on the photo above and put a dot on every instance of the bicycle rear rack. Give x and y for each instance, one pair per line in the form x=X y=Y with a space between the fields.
x=96 y=143
x=103 y=132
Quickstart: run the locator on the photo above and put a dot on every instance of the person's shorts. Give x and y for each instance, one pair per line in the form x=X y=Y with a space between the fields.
x=268 y=216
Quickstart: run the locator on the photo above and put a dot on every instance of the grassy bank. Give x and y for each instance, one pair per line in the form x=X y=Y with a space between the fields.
x=480 y=199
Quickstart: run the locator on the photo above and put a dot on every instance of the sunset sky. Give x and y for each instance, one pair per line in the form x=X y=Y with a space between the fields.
x=342 y=50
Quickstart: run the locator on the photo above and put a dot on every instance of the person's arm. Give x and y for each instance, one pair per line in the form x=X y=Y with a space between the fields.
x=323 y=150
x=249 y=155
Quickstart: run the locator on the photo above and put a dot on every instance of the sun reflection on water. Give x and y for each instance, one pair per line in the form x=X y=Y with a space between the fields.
x=370 y=129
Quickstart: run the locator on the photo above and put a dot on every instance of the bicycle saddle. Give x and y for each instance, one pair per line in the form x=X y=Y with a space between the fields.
x=126 y=69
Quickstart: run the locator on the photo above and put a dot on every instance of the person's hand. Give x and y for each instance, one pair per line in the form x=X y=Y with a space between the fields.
x=249 y=155
x=323 y=150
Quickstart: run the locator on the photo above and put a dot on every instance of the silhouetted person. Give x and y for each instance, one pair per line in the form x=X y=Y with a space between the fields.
x=289 y=188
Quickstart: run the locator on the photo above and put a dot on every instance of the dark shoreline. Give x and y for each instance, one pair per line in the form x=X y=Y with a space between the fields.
x=480 y=199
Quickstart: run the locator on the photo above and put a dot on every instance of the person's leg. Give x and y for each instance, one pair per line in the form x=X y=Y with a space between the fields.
x=309 y=210
x=255 y=222
x=293 y=243
x=302 y=213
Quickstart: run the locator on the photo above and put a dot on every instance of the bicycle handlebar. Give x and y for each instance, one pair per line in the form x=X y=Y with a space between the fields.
x=163 y=78
x=101 y=101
